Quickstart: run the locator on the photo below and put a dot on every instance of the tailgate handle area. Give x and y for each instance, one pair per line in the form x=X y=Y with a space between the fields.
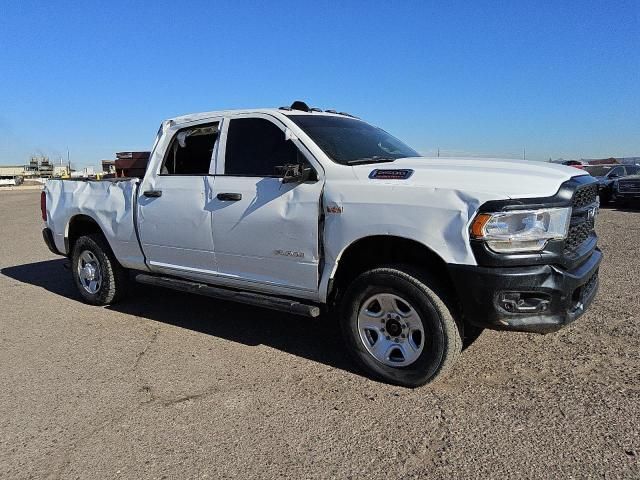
x=152 y=193
x=232 y=197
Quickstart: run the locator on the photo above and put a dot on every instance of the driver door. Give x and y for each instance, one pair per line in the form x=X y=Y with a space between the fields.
x=265 y=231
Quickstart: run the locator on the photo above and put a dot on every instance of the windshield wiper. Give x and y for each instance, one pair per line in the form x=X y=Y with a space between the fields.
x=374 y=159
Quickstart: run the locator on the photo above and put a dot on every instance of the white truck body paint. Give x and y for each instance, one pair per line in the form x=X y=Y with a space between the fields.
x=253 y=236
x=109 y=204
x=434 y=206
x=268 y=241
x=164 y=221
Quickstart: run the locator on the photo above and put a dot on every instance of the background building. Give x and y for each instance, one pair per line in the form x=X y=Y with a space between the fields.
x=12 y=170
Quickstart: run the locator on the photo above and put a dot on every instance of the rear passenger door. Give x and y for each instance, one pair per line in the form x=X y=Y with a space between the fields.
x=265 y=232
x=174 y=211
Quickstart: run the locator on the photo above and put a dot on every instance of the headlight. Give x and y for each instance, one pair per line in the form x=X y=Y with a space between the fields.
x=521 y=230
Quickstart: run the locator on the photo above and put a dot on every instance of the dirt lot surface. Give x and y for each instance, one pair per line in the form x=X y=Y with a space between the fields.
x=175 y=386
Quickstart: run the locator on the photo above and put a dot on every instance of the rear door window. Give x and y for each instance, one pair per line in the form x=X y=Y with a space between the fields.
x=191 y=151
x=255 y=147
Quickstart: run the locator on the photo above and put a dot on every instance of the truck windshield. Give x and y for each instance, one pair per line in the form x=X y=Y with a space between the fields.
x=350 y=141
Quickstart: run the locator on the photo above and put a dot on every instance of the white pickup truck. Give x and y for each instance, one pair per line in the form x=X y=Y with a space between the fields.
x=305 y=211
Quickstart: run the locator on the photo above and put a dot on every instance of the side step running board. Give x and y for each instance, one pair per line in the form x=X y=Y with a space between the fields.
x=257 y=299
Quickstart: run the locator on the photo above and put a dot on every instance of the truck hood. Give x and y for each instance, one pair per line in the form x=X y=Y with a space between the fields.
x=493 y=176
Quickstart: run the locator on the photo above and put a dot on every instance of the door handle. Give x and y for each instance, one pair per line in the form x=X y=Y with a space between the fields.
x=152 y=193
x=232 y=197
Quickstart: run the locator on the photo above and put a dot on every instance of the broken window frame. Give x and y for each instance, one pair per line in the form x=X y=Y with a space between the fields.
x=178 y=140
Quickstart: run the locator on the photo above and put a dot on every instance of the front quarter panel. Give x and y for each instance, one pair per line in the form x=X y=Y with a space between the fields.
x=437 y=218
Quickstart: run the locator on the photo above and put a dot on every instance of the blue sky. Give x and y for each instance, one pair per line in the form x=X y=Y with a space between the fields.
x=561 y=79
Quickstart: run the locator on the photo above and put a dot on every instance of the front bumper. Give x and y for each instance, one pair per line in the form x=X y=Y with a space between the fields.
x=540 y=298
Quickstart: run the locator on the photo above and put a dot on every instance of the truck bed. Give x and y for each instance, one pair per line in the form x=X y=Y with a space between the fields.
x=109 y=202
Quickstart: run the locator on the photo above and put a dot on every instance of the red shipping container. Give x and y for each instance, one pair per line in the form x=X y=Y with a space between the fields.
x=133 y=166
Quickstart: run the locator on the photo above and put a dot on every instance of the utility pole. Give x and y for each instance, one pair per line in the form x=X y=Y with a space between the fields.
x=68 y=162
x=438 y=152
x=524 y=153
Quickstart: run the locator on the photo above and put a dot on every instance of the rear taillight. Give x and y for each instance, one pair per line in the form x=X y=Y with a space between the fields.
x=43 y=205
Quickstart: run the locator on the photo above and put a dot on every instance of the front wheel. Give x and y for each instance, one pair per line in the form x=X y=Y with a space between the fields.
x=398 y=326
x=100 y=279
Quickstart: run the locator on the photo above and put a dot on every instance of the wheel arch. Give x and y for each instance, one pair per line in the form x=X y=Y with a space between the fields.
x=80 y=225
x=377 y=250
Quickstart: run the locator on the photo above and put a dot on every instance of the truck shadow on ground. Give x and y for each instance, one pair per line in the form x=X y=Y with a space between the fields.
x=314 y=339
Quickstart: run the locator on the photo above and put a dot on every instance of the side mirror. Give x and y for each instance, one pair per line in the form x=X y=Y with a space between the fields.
x=294 y=173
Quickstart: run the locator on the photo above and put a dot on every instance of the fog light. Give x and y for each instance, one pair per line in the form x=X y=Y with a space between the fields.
x=524 y=302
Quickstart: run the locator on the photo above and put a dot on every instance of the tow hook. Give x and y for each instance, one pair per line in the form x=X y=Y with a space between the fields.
x=524 y=302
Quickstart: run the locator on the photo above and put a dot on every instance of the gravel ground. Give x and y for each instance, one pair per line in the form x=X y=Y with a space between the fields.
x=168 y=385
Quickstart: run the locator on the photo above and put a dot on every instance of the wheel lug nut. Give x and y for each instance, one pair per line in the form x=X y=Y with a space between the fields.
x=388 y=337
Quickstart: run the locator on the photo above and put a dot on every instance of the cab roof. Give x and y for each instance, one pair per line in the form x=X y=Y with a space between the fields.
x=296 y=108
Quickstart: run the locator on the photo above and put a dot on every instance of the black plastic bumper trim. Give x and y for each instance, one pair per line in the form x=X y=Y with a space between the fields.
x=479 y=289
x=47 y=235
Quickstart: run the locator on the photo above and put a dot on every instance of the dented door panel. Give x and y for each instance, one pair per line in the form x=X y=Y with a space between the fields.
x=175 y=228
x=270 y=236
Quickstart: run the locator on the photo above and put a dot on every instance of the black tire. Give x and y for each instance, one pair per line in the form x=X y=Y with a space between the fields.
x=114 y=277
x=442 y=338
x=605 y=198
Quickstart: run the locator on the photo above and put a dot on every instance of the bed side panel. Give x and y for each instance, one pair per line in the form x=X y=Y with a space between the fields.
x=110 y=204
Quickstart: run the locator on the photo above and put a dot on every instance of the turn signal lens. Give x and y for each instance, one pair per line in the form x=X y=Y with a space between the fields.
x=477 y=227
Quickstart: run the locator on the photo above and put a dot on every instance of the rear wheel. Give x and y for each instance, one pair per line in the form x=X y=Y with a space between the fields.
x=398 y=326
x=100 y=279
